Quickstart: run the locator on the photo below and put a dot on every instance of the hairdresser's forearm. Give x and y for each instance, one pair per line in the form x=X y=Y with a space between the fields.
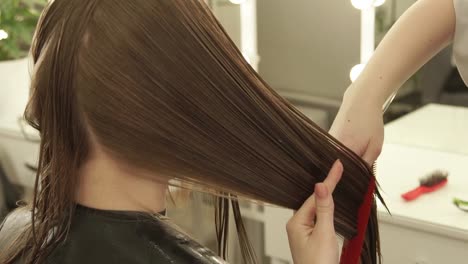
x=423 y=30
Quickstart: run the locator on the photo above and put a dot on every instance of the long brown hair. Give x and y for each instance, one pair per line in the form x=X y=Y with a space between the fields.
x=162 y=87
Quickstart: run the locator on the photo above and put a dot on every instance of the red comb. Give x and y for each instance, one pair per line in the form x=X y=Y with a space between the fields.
x=352 y=251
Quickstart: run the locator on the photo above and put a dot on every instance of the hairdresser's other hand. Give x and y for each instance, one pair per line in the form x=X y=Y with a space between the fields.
x=316 y=243
x=359 y=124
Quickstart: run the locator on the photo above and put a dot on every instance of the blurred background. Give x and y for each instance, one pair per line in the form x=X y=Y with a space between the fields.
x=304 y=49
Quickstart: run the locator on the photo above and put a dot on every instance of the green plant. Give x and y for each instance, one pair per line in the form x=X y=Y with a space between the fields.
x=18 y=19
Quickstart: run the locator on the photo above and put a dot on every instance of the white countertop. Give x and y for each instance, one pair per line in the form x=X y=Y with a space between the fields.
x=399 y=169
x=431 y=138
x=439 y=127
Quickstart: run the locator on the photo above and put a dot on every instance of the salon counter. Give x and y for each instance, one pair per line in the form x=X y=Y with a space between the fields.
x=429 y=229
x=434 y=126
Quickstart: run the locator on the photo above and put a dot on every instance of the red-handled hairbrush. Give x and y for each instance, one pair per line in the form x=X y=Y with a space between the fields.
x=428 y=184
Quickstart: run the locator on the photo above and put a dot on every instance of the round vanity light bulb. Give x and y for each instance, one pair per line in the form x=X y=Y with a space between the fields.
x=362 y=4
x=237 y=2
x=3 y=34
x=356 y=71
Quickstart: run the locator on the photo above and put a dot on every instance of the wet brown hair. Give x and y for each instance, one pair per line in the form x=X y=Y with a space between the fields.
x=161 y=86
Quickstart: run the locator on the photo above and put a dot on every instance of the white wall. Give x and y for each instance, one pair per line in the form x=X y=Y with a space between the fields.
x=229 y=16
x=14 y=90
x=304 y=45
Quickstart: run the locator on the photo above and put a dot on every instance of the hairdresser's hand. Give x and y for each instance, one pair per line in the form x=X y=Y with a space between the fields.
x=359 y=124
x=316 y=243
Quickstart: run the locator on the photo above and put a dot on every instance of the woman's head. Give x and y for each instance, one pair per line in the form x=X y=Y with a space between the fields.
x=158 y=85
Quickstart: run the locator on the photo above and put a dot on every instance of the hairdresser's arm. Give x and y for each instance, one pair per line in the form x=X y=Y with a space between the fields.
x=316 y=243
x=420 y=33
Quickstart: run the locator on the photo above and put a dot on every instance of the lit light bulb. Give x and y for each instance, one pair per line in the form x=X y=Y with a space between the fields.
x=356 y=71
x=237 y=2
x=3 y=34
x=362 y=4
x=378 y=2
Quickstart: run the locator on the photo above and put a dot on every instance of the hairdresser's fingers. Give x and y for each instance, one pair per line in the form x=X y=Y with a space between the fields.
x=306 y=214
x=373 y=150
x=334 y=176
x=304 y=217
x=324 y=208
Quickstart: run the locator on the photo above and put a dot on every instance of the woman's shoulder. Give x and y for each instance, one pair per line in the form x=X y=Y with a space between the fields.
x=98 y=236
x=104 y=238
x=107 y=237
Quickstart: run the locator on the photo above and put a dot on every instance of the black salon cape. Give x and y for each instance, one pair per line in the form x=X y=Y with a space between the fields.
x=114 y=237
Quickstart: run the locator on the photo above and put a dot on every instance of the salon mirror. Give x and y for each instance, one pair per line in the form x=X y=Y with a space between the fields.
x=305 y=49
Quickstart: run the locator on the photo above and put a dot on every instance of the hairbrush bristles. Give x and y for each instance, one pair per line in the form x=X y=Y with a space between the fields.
x=433 y=178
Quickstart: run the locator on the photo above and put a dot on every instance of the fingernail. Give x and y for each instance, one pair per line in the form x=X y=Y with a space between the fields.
x=320 y=190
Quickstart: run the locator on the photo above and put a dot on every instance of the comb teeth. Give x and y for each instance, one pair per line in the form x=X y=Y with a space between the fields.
x=433 y=178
